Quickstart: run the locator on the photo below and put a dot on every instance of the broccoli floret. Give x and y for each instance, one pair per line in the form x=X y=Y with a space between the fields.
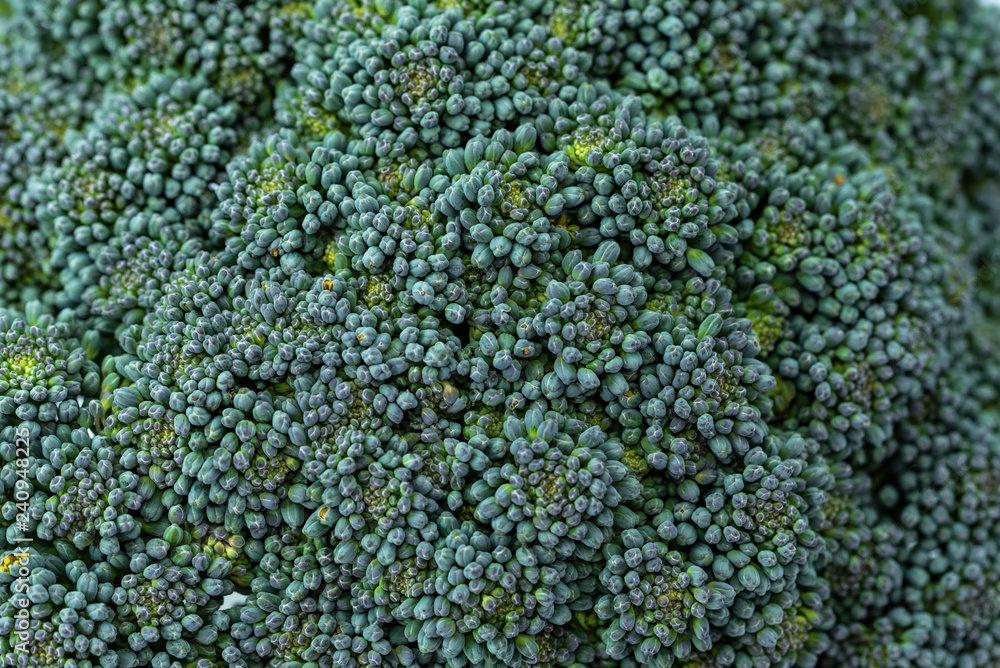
x=343 y=333
x=73 y=619
x=242 y=47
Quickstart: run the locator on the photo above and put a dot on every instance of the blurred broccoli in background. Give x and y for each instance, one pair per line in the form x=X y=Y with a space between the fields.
x=552 y=333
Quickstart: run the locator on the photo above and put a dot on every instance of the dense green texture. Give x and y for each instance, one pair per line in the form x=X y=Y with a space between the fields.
x=561 y=334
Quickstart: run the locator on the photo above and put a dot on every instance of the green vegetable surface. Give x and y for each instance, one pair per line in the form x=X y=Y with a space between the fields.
x=552 y=333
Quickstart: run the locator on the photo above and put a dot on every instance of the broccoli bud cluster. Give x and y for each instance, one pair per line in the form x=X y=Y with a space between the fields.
x=522 y=333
